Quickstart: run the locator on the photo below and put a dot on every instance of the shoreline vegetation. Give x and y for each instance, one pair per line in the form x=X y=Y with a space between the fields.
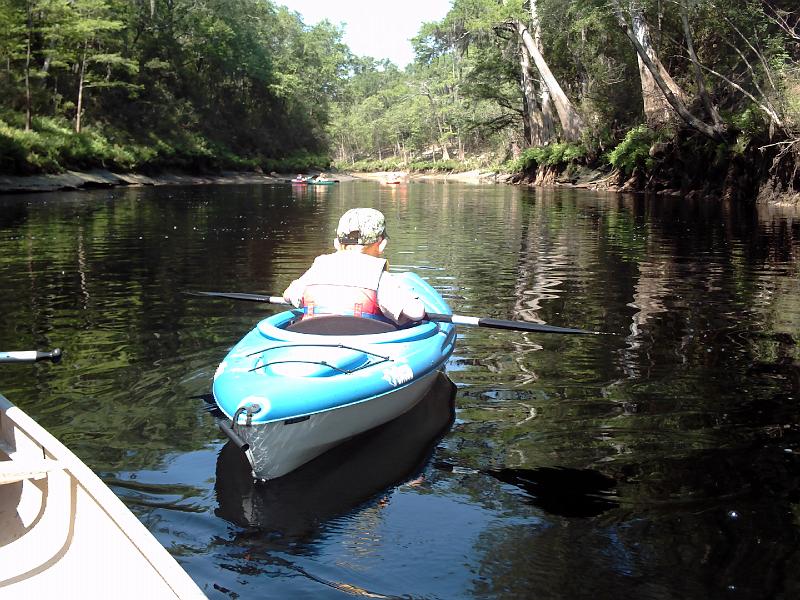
x=736 y=179
x=604 y=178
x=103 y=178
x=693 y=99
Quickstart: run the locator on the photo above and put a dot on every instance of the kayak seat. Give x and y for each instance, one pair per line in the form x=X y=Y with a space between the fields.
x=340 y=325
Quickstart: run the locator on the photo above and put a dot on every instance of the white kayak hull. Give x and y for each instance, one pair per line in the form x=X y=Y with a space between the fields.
x=63 y=532
x=277 y=448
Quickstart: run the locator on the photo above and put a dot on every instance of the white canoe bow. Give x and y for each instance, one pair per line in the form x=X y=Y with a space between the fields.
x=65 y=534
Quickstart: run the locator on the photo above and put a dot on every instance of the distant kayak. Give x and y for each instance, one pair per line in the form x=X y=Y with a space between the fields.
x=395 y=178
x=322 y=181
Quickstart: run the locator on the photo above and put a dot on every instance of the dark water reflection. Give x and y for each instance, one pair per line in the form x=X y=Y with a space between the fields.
x=658 y=462
x=562 y=491
x=340 y=480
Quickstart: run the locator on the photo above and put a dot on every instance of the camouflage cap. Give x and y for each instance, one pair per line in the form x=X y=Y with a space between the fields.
x=361 y=226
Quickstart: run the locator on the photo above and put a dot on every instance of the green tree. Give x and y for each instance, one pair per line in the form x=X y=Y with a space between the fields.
x=84 y=35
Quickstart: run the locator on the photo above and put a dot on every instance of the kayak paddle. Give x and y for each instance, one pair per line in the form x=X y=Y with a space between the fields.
x=437 y=318
x=504 y=324
x=238 y=296
x=30 y=356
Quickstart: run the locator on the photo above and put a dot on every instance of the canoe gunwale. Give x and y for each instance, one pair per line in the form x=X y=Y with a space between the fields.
x=90 y=488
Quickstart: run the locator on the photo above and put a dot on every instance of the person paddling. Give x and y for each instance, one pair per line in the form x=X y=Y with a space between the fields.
x=355 y=279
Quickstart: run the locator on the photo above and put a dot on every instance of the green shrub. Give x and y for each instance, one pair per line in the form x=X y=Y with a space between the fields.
x=555 y=155
x=634 y=150
x=749 y=123
x=372 y=165
x=440 y=166
x=417 y=166
x=26 y=151
x=297 y=162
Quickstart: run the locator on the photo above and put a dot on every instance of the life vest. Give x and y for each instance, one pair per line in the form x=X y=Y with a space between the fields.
x=344 y=283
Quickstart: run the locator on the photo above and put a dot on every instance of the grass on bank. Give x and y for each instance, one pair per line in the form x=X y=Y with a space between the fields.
x=51 y=146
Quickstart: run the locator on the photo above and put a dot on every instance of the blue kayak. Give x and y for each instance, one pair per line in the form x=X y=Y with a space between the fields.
x=293 y=388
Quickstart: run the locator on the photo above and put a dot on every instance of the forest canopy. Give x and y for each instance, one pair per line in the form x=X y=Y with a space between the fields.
x=549 y=82
x=144 y=83
x=514 y=84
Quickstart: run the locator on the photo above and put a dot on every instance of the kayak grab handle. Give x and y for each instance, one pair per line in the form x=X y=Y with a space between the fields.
x=233 y=436
x=229 y=430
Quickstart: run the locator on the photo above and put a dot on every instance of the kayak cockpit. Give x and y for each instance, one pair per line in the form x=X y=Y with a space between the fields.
x=340 y=325
x=289 y=327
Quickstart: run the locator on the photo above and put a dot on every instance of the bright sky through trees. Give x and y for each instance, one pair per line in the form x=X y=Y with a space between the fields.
x=376 y=29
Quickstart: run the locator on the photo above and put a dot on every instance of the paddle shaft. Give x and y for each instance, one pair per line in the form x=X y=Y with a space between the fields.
x=27 y=356
x=239 y=296
x=438 y=318
x=504 y=324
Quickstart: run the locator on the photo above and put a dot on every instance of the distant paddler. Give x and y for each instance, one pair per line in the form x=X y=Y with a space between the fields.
x=395 y=177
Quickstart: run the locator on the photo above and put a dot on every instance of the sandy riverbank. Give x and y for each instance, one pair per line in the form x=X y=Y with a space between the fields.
x=100 y=178
x=475 y=176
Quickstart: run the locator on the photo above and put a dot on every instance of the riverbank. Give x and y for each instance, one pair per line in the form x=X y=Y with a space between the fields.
x=473 y=176
x=584 y=178
x=570 y=176
x=100 y=178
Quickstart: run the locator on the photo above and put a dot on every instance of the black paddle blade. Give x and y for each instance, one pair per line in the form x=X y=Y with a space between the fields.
x=240 y=296
x=504 y=324
x=525 y=326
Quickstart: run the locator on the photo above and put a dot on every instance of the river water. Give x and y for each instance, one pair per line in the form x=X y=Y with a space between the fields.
x=659 y=461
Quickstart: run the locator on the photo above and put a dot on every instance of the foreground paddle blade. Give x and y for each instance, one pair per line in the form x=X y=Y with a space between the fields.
x=30 y=356
x=525 y=326
x=505 y=324
x=240 y=296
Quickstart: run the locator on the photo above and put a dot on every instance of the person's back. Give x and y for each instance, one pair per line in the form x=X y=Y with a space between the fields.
x=354 y=280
